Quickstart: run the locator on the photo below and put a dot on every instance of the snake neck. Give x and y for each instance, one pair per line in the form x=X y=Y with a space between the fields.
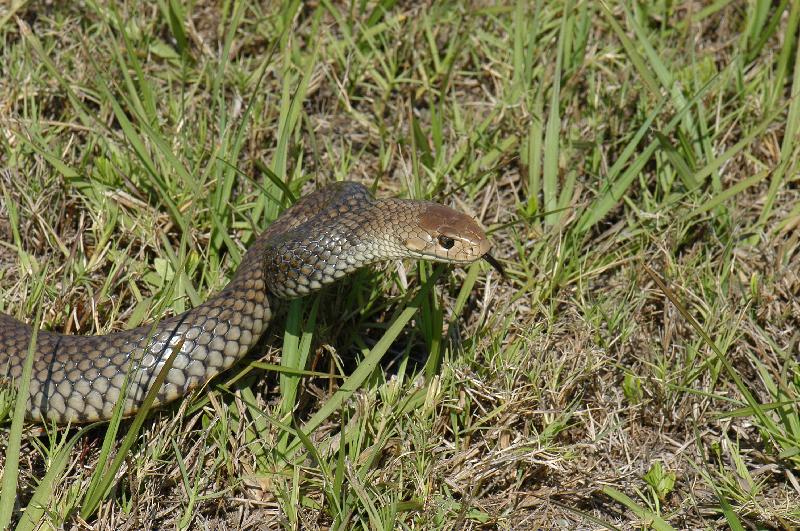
x=319 y=252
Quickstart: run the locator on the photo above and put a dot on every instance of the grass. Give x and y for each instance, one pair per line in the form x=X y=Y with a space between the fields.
x=635 y=164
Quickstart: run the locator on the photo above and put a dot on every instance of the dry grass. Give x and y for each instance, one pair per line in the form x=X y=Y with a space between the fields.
x=595 y=141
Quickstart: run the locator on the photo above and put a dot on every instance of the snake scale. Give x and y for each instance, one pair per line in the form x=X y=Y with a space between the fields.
x=324 y=236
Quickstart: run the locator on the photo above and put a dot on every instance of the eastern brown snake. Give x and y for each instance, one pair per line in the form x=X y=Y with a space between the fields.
x=324 y=236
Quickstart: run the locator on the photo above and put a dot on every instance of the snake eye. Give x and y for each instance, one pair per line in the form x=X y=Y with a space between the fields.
x=446 y=242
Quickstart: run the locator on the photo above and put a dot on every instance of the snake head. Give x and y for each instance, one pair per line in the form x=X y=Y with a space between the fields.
x=446 y=235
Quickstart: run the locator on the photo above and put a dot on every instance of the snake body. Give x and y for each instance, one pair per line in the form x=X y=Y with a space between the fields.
x=324 y=236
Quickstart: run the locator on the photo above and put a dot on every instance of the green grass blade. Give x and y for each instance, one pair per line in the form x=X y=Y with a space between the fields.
x=648 y=516
x=757 y=409
x=107 y=476
x=789 y=144
x=291 y=104
x=45 y=491
x=631 y=50
x=367 y=365
x=727 y=194
x=294 y=356
x=550 y=167
x=8 y=495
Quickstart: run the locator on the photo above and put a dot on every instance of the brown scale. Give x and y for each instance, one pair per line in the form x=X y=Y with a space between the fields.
x=326 y=234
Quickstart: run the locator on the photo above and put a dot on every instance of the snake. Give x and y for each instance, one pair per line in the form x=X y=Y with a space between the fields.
x=325 y=235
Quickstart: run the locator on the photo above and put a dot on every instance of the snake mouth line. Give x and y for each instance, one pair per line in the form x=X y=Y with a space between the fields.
x=494 y=263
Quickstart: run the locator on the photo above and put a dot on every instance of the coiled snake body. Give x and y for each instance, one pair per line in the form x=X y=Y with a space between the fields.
x=324 y=236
